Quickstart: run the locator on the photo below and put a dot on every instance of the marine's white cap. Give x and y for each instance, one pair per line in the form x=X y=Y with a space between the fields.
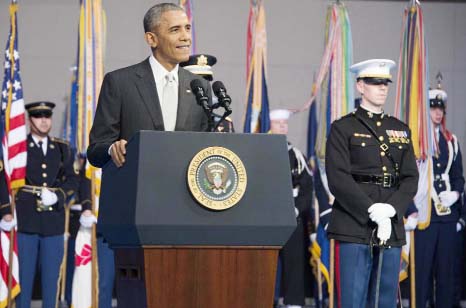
x=280 y=114
x=374 y=68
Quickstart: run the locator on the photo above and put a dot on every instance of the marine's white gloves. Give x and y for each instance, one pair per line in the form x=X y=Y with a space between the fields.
x=48 y=197
x=87 y=220
x=448 y=198
x=7 y=225
x=384 y=230
x=411 y=223
x=313 y=237
x=380 y=211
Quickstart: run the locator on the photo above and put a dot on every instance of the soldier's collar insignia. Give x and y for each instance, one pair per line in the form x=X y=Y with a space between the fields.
x=32 y=144
x=52 y=146
x=370 y=114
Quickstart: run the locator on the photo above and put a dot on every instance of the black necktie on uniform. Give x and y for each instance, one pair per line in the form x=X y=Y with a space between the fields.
x=40 y=146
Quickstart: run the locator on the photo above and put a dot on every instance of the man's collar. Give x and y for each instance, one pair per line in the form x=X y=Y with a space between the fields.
x=37 y=139
x=371 y=110
x=159 y=71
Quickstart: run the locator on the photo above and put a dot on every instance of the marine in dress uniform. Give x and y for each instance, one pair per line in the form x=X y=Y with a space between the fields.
x=436 y=245
x=40 y=206
x=201 y=64
x=296 y=273
x=373 y=175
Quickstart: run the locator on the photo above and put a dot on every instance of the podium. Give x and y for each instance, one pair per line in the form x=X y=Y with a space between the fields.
x=171 y=251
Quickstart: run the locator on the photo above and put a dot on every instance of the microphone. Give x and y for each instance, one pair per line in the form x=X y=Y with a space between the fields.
x=199 y=92
x=223 y=98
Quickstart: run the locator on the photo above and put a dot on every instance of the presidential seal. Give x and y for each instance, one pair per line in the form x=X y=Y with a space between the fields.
x=217 y=178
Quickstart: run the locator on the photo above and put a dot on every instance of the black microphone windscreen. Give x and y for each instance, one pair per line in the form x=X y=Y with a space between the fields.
x=195 y=85
x=217 y=86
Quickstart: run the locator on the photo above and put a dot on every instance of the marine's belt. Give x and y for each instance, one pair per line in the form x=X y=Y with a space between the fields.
x=35 y=189
x=386 y=180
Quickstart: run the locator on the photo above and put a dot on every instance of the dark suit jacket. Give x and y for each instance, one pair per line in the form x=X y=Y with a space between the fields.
x=128 y=103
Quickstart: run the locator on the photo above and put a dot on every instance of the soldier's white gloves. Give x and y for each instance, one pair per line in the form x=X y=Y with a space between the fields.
x=48 y=197
x=448 y=198
x=380 y=211
x=458 y=227
x=384 y=230
x=296 y=211
x=411 y=223
x=7 y=225
x=87 y=220
x=313 y=237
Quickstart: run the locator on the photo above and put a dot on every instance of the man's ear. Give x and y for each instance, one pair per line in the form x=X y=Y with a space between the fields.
x=151 y=39
x=360 y=86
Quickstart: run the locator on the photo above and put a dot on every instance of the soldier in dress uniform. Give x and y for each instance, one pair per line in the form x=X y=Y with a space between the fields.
x=7 y=221
x=296 y=272
x=436 y=248
x=201 y=64
x=40 y=206
x=372 y=173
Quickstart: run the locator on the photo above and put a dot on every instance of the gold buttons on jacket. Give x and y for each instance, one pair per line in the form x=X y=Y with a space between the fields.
x=44 y=184
x=384 y=168
x=400 y=147
x=44 y=166
x=438 y=164
x=381 y=138
x=382 y=153
x=363 y=144
x=379 y=123
x=44 y=175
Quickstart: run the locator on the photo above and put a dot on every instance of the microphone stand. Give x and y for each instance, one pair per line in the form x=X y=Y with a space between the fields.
x=225 y=114
x=208 y=110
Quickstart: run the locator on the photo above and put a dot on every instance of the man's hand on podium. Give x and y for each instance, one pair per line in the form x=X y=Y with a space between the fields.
x=118 y=152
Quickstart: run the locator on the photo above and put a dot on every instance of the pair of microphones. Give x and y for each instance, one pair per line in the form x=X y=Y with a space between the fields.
x=224 y=100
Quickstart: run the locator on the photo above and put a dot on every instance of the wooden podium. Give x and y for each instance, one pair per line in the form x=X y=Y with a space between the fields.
x=172 y=252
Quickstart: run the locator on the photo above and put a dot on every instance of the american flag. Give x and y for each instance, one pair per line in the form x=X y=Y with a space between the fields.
x=14 y=152
x=13 y=116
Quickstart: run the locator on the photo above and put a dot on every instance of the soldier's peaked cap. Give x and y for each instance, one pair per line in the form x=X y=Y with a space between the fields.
x=40 y=108
x=374 y=68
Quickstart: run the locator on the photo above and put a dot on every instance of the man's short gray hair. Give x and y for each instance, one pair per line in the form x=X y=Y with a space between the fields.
x=154 y=14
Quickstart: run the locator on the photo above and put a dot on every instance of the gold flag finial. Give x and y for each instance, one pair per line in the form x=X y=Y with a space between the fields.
x=439 y=78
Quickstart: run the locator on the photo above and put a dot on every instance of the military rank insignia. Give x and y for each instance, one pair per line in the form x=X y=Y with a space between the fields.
x=217 y=178
x=397 y=136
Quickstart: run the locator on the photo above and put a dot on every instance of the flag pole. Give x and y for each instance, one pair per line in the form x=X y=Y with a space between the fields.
x=412 y=272
x=94 y=264
x=65 y=254
x=10 y=253
x=12 y=9
x=332 y=274
x=319 y=271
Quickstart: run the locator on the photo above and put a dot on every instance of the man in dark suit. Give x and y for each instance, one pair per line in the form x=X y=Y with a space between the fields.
x=152 y=95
